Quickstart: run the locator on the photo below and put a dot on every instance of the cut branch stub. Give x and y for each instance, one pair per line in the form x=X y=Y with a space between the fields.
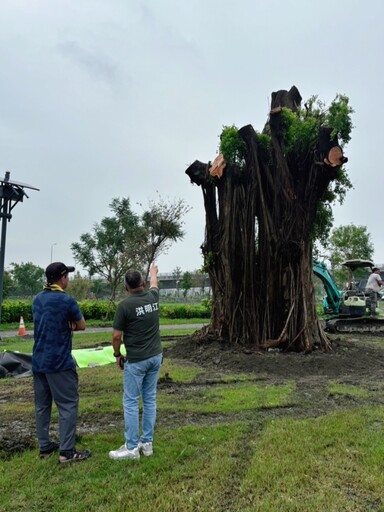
x=217 y=166
x=329 y=150
x=335 y=157
x=197 y=172
x=290 y=99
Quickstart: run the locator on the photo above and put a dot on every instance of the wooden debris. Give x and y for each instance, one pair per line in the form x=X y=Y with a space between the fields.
x=217 y=166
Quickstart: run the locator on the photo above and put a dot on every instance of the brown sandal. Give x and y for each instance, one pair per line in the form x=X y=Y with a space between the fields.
x=76 y=456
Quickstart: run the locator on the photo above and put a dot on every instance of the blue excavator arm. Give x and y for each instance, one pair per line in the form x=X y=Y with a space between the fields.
x=334 y=297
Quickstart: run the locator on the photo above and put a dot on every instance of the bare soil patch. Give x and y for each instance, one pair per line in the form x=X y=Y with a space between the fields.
x=357 y=357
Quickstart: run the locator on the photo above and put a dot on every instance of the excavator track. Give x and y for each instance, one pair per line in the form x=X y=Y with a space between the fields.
x=358 y=325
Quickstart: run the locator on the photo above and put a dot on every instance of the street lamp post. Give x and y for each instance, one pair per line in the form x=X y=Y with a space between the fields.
x=11 y=193
x=52 y=250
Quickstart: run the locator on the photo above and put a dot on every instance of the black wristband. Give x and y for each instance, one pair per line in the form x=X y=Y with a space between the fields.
x=117 y=355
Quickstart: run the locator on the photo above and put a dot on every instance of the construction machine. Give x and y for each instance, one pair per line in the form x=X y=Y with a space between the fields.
x=346 y=309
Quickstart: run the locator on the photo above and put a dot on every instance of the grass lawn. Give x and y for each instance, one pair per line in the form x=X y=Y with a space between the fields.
x=224 y=441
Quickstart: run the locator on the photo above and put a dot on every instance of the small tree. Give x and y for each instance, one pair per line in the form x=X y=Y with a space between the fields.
x=176 y=274
x=8 y=284
x=113 y=246
x=348 y=242
x=28 y=278
x=100 y=288
x=186 y=283
x=79 y=287
x=162 y=225
x=126 y=240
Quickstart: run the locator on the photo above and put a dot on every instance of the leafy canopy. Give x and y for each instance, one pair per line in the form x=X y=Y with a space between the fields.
x=28 y=278
x=186 y=283
x=162 y=225
x=79 y=287
x=350 y=242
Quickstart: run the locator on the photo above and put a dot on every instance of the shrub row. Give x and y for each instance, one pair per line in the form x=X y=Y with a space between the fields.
x=184 y=311
x=97 y=309
x=12 y=310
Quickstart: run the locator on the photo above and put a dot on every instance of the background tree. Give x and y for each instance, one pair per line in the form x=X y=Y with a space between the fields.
x=266 y=196
x=162 y=225
x=8 y=284
x=100 y=288
x=349 y=242
x=79 y=286
x=200 y=280
x=126 y=240
x=176 y=274
x=28 y=278
x=186 y=283
x=113 y=247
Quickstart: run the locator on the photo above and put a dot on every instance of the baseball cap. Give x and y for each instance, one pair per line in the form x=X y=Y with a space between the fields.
x=56 y=270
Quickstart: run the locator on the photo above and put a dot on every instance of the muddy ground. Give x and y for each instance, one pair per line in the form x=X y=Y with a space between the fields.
x=354 y=360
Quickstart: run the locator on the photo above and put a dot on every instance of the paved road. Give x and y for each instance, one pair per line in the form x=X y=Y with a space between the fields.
x=10 y=334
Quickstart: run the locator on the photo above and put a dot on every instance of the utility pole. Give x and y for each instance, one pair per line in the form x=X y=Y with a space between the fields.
x=11 y=193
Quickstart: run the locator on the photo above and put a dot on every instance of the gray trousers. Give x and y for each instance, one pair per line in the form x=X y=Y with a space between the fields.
x=62 y=388
x=371 y=301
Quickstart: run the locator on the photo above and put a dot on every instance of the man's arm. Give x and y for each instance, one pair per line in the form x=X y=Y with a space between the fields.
x=116 y=344
x=153 y=283
x=78 y=325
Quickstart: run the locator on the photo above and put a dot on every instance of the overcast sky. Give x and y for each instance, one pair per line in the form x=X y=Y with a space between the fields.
x=115 y=98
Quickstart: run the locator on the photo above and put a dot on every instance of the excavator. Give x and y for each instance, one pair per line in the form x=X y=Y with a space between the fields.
x=346 y=310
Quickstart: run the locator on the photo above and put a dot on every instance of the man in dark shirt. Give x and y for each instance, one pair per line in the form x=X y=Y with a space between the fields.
x=136 y=323
x=55 y=316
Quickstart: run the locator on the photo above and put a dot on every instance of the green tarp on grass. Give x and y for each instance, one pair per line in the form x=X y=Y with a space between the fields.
x=89 y=357
x=18 y=364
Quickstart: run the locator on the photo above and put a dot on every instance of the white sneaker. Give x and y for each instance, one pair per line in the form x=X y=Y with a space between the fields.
x=123 y=453
x=145 y=448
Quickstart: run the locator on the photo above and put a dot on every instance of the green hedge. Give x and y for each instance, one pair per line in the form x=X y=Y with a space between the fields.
x=184 y=311
x=97 y=309
x=12 y=310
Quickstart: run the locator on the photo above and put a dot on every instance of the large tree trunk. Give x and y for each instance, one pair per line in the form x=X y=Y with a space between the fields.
x=258 y=248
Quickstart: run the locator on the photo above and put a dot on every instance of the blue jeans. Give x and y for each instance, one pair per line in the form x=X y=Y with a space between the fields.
x=140 y=378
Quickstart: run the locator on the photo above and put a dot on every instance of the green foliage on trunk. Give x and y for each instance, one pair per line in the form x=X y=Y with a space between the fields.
x=232 y=146
x=300 y=135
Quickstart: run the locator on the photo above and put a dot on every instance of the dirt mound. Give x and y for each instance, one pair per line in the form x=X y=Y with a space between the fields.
x=349 y=357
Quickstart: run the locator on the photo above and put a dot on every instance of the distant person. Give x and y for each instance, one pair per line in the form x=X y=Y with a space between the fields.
x=136 y=324
x=372 y=289
x=55 y=316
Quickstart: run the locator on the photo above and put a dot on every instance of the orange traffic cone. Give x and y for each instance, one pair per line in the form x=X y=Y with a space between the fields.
x=22 y=331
